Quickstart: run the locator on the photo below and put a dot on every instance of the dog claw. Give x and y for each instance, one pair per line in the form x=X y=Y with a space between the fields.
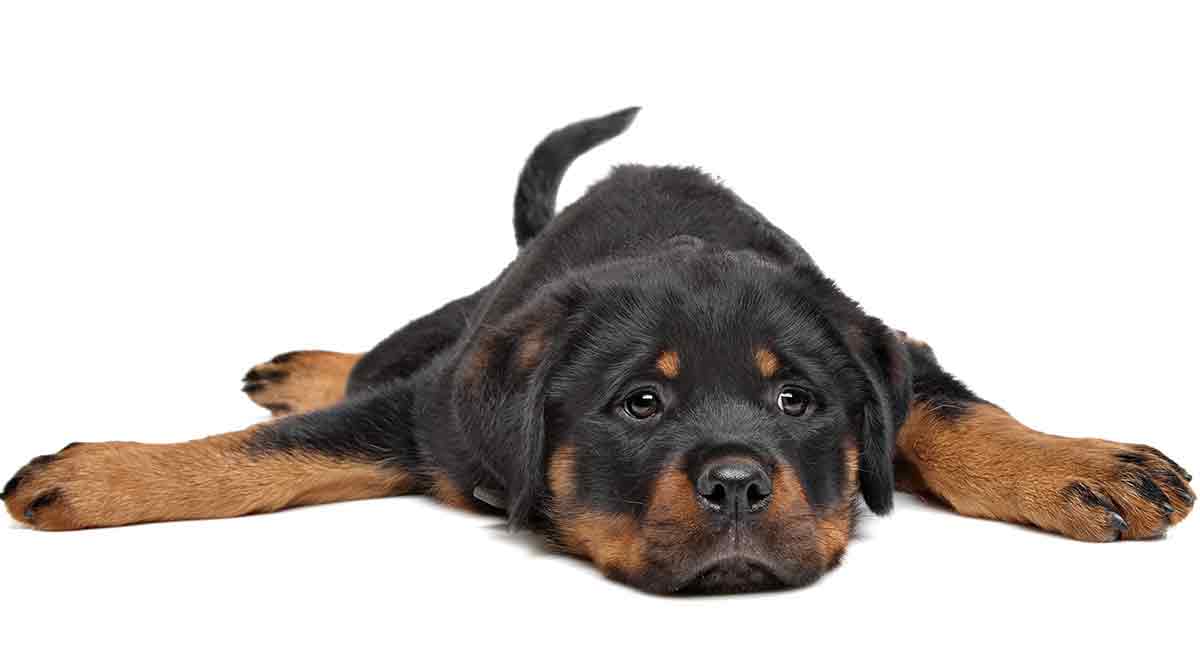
x=1118 y=524
x=42 y=500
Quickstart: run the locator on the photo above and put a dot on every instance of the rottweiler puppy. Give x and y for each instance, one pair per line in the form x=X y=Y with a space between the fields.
x=661 y=382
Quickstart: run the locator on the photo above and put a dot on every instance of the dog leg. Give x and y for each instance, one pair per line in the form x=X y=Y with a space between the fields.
x=295 y=382
x=982 y=462
x=359 y=449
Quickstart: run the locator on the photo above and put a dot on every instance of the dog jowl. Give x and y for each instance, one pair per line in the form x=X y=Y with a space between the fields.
x=661 y=382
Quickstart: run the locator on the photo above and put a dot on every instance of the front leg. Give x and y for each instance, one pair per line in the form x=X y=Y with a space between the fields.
x=982 y=462
x=356 y=450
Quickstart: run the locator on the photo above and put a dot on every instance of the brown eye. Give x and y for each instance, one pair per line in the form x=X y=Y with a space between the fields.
x=795 y=401
x=643 y=404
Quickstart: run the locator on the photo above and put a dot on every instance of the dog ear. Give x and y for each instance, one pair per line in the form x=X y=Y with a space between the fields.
x=884 y=377
x=888 y=376
x=501 y=397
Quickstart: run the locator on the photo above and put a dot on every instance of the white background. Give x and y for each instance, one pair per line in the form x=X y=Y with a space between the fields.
x=188 y=190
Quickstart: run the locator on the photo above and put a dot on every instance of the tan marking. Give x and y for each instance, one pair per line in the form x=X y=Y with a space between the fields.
x=833 y=533
x=766 y=361
x=984 y=463
x=668 y=364
x=787 y=494
x=673 y=499
x=445 y=490
x=836 y=525
x=118 y=483
x=852 y=466
x=307 y=380
x=610 y=540
x=562 y=474
x=804 y=535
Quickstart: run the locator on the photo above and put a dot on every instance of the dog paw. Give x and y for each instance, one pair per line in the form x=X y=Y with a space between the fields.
x=1110 y=491
x=300 y=381
x=60 y=491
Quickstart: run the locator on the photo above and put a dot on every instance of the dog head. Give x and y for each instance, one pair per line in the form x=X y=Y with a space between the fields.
x=692 y=419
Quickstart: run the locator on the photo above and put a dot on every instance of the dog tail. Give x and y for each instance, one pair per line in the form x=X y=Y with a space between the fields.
x=533 y=206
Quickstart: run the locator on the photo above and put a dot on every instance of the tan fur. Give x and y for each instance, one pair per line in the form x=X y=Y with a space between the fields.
x=835 y=526
x=766 y=362
x=618 y=544
x=986 y=464
x=301 y=381
x=852 y=466
x=444 y=489
x=561 y=475
x=673 y=500
x=787 y=494
x=612 y=541
x=118 y=483
x=668 y=364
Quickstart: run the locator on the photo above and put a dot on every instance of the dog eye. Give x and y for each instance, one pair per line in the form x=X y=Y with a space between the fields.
x=795 y=401
x=642 y=404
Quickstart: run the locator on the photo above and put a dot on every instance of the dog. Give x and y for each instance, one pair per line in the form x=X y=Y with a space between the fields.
x=662 y=382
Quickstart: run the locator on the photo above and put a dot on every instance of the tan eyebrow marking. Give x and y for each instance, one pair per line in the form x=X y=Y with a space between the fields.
x=767 y=362
x=668 y=364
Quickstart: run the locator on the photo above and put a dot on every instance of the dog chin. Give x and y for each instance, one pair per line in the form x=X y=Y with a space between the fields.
x=733 y=575
x=741 y=573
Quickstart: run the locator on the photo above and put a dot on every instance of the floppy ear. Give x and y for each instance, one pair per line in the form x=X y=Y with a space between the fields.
x=502 y=399
x=886 y=367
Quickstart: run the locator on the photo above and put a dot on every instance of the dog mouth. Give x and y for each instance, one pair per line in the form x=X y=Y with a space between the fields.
x=732 y=575
x=739 y=561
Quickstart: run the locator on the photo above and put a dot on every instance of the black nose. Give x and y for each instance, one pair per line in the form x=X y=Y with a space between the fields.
x=734 y=486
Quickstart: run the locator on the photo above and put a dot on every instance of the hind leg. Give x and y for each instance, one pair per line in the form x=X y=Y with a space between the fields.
x=306 y=380
x=296 y=382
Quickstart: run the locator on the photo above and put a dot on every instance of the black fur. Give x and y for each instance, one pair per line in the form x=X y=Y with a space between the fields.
x=649 y=259
x=659 y=282
x=943 y=393
x=375 y=426
x=537 y=188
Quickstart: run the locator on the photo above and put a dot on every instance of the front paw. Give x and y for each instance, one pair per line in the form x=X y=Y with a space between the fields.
x=64 y=491
x=1107 y=491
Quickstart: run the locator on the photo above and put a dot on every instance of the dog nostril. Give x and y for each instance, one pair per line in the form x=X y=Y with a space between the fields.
x=734 y=486
x=756 y=496
x=715 y=496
